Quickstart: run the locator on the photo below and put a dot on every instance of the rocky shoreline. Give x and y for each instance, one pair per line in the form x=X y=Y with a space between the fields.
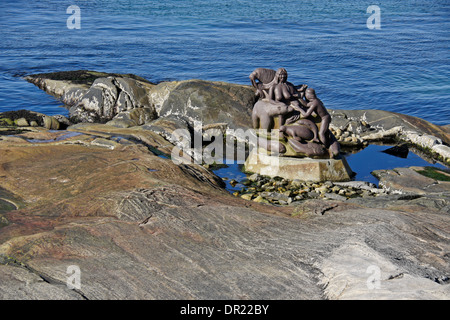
x=280 y=191
x=128 y=100
x=103 y=194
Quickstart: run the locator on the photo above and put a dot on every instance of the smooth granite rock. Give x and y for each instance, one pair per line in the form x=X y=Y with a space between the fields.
x=209 y=102
x=94 y=96
x=139 y=226
x=408 y=180
x=108 y=97
x=109 y=200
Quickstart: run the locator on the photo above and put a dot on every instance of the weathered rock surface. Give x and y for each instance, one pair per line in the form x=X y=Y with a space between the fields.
x=359 y=127
x=19 y=283
x=141 y=227
x=95 y=96
x=108 y=97
x=104 y=97
x=26 y=118
x=133 y=117
x=60 y=83
x=210 y=102
x=368 y=121
x=408 y=180
x=108 y=199
x=99 y=97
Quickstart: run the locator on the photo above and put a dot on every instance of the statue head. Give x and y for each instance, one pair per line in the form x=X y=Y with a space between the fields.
x=310 y=93
x=281 y=75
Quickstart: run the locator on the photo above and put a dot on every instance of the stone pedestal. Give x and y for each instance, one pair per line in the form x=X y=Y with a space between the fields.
x=305 y=169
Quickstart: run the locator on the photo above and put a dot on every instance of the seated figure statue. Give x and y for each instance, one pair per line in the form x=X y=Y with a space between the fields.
x=268 y=78
x=306 y=130
x=281 y=99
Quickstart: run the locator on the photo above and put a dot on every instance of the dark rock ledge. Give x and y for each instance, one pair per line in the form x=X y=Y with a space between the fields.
x=106 y=198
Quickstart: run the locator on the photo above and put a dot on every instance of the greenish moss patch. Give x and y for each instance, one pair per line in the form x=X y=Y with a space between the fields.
x=9 y=118
x=6 y=122
x=435 y=173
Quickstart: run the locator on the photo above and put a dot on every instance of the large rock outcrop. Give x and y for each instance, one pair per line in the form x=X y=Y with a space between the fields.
x=95 y=97
x=138 y=226
x=107 y=97
x=210 y=102
x=108 y=199
x=99 y=97
x=353 y=127
x=102 y=97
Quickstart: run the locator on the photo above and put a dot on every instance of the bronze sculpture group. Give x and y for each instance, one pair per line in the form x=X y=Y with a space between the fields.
x=301 y=118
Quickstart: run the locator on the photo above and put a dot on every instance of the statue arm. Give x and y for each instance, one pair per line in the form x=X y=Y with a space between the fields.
x=295 y=95
x=252 y=77
x=311 y=107
x=303 y=103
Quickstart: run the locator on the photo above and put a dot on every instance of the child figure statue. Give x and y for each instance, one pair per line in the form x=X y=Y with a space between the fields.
x=314 y=104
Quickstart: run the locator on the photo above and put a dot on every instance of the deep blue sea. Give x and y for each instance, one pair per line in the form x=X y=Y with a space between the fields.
x=402 y=67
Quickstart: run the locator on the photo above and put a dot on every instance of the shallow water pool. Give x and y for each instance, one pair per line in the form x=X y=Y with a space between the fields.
x=373 y=158
x=362 y=162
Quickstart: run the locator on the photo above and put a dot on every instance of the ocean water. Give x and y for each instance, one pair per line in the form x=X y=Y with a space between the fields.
x=402 y=67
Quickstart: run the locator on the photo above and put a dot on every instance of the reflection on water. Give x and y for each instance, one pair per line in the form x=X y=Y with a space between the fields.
x=373 y=158
x=232 y=171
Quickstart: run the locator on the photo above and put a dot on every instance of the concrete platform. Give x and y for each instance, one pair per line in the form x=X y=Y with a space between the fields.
x=305 y=169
